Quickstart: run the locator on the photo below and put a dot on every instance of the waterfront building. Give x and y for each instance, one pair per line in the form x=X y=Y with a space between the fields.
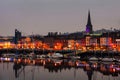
x=88 y=41
x=71 y=44
x=60 y=43
x=17 y=36
x=49 y=40
x=6 y=42
x=118 y=44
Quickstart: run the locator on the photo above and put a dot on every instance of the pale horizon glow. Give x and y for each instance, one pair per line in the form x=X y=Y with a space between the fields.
x=43 y=16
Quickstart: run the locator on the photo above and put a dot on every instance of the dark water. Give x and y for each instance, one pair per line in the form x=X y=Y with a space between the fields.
x=59 y=70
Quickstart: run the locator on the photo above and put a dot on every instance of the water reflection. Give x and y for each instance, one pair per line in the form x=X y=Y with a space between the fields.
x=80 y=69
x=18 y=67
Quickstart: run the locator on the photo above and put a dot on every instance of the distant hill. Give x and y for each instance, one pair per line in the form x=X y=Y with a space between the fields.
x=105 y=31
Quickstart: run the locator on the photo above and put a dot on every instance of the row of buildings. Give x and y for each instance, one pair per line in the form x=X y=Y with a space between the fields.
x=86 y=40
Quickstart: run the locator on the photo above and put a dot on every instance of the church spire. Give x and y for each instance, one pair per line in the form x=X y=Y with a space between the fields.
x=89 y=19
x=89 y=24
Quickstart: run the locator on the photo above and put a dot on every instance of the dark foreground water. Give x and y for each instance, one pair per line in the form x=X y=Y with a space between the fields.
x=59 y=70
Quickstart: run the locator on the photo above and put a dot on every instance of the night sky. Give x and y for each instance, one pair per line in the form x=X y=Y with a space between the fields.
x=43 y=16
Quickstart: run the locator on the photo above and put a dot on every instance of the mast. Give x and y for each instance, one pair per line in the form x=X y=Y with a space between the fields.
x=32 y=42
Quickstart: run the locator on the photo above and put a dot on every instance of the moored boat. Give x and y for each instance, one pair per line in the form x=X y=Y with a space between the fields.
x=93 y=59
x=107 y=59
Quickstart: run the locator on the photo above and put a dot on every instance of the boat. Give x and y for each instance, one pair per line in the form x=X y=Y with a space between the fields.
x=75 y=57
x=56 y=55
x=32 y=56
x=107 y=59
x=93 y=59
x=41 y=56
x=7 y=57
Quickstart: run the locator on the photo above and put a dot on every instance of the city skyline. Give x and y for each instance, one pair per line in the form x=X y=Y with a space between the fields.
x=41 y=17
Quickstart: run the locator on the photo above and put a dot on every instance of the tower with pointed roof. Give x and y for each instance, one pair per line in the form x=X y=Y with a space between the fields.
x=89 y=25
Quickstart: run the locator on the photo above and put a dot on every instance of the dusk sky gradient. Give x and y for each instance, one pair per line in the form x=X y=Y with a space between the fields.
x=43 y=16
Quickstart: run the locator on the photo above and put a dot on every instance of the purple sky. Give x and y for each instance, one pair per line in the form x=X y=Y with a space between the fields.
x=43 y=16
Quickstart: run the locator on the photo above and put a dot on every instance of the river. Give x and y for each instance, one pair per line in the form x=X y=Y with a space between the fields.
x=59 y=70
